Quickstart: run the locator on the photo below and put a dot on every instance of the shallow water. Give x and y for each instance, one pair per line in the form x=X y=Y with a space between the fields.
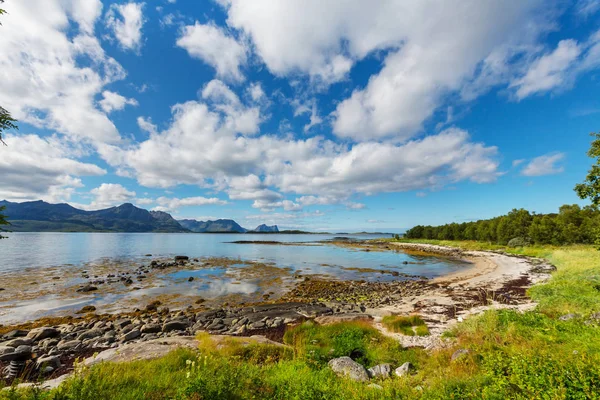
x=30 y=261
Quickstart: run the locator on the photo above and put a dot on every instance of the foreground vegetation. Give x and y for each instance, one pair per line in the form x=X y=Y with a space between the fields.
x=533 y=355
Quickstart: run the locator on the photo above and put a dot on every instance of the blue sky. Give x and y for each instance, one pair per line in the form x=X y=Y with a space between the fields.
x=348 y=115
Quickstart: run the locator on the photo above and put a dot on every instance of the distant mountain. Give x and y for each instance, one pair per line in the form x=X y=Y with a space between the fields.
x=265 y=228
x=39 y=216
x=218 y=226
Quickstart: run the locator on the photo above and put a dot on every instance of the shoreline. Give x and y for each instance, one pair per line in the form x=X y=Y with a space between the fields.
x=495 y=280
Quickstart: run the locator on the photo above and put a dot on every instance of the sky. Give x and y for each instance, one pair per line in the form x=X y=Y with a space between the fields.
x=326 y=116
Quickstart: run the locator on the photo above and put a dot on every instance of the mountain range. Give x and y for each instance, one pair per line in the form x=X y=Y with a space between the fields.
x=39 y=216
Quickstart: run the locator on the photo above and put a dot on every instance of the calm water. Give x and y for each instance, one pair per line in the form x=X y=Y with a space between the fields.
x=30 y=263
x=39 y=250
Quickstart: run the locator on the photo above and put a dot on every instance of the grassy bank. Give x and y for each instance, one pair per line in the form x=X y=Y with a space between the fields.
x=534 y=355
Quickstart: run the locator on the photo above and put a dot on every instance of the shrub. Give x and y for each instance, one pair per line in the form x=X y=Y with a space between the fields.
x=519 y=242
x=409 y=326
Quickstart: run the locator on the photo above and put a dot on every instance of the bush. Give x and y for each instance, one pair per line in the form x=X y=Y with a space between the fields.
x=519 y=242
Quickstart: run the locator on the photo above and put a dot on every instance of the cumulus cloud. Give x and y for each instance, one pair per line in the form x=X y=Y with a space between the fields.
x=107 y=195
x=430 y=51
x=215 y=47
x=175 y=203
x=544 y=165
x=51 y=70
x=126 y=21
x=146 y=125
x=206 y=149
x=33 y=168
x=112 y=101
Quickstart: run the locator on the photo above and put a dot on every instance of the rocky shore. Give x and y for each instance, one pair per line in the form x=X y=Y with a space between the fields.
x=47 y=349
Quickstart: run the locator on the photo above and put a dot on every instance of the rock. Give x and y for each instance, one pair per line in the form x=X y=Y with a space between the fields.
x=459 y=354
x=133 y=334
x=87 y=289
x=380 y=371
x=153 y=306
x=151 y=328
x=568 y=317
x=122 y=323
x=43 y=333
x=181 y=258
x=86 y=309
x=18 y=342
x=50 y=361
x=24 y=349
x=191 y=279
x=345 y=366
x=90 y=334
x=404 y=370
x=68 y=345
x=6 y=350
x=15 y=334
x=163 y=310
x=174 y=326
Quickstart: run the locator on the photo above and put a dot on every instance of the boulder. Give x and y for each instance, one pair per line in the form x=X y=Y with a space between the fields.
x=18 y=342
x=43 y=333
x=6 y=350
x=181 y=258
x=568 y=317
x=345 y=366
x=404 y=370
x=380 y=371
x=90 y=334
x=122 y=323
x=175 y=326
x=133 y=334
x=49 y=361
x=68 y=345
x=87 y=289
x=151 y=328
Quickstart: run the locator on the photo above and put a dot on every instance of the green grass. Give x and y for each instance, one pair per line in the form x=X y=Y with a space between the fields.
x=512 y=355
x=410 y=326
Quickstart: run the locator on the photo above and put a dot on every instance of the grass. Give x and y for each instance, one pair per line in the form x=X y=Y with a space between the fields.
x=410 y=326
x=512 y=355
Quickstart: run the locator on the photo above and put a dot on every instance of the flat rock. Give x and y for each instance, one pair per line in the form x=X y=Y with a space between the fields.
x=132 y=334
x=43 y=333
x=6 y=350
x=175 y=326
x=345 y=366
x=151 y=328
x=90 y=334
x=18 y=342
x=68 y=345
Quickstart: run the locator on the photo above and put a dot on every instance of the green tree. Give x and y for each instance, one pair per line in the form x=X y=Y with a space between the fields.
x=590 y=188
x=6 y=122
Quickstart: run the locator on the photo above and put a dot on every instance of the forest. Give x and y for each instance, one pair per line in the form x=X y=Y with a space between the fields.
x=571 y=225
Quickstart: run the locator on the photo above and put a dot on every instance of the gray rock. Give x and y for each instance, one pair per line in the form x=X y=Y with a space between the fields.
x=174 y=326
x=15 y=334
x=24 y=349
x=459 y=354
x=6 y=350
x=38 y=334
x=122 y=323
x=568 y=317
x=47 y=343
x=90 y=334
x=345 y=366
x=404 y=370
x=133 y=334
x=151 y=328
x=51 y=361
x=18 y=342
x=68 y=345
x=380 y=371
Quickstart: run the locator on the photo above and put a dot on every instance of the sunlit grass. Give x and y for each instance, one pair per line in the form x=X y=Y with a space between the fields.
x=411 y=325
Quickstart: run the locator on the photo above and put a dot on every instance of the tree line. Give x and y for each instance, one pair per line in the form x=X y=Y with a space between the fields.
x=572 y=224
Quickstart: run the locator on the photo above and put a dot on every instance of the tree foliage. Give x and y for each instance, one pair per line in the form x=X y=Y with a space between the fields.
x=590 y=188
x=6 y=122
x=572 y=224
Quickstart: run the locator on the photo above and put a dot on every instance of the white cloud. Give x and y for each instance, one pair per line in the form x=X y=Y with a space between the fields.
x=126 y=21
x=107 y=195
x=33 y=168
x=42 y=77
x=112 y=101
x=175 y=203
x=432 y=51
x=212 y=45
x=544 y=165
x=549 y=71
x=204 y=148
x=146 y=125
x=587 y=8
